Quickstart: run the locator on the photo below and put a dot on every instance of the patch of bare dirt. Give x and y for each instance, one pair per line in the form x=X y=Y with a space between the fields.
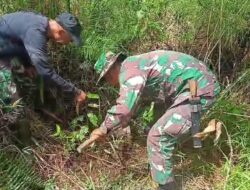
x=116 y=159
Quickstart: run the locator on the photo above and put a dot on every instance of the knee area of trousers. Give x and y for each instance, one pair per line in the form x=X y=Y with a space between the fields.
x=152 y=138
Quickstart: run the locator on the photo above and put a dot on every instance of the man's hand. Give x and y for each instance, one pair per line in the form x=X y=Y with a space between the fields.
x=96 y=135
x=80 y=99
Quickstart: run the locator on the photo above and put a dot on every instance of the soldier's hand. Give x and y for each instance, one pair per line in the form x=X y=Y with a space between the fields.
x=96 y=135
x=80 y=98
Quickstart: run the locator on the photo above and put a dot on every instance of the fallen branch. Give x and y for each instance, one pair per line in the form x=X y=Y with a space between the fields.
x=111 y=163
x=57 y=170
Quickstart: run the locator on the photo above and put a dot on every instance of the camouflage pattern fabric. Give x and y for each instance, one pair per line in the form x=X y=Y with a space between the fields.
x=12 y=81
x=15 y=80
x=26 y=87
x=163 y=137
x=15 y=84
x=7 y=87
x=32 y=91
x=8 y=94
x=12 y=72
x=161 y=75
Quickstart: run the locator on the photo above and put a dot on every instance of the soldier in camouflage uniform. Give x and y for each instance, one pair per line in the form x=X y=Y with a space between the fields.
x=160 y=75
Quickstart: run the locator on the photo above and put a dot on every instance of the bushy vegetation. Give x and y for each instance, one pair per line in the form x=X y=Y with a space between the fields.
x=16 y=173
x=216 y=31
x=233 y=109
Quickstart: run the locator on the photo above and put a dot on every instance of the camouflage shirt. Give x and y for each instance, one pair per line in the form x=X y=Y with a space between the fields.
x=158 y=75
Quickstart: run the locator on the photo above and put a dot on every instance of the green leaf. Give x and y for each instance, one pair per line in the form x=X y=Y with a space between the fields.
x=140 y=14
x=148 y=115
x=93 y=106
x=75 y=122
x=93 y=96
x=82 y=133
x=58 y=131
x=93 y=119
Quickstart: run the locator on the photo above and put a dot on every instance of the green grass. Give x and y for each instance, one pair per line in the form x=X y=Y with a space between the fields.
x=233 y=111
x=212 y=27
x=17 y=173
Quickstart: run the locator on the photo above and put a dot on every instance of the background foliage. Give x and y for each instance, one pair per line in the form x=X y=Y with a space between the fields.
x=216 y=31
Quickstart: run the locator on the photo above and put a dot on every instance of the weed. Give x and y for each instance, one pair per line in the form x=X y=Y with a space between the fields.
x=204 y=28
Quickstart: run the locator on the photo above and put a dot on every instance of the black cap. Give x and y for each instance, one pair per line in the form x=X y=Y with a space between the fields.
x=72 y=25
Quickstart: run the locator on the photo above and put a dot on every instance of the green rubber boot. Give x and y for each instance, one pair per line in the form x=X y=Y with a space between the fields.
x=168 y=186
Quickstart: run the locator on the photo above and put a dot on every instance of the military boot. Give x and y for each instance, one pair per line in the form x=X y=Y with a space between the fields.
x=168 y=186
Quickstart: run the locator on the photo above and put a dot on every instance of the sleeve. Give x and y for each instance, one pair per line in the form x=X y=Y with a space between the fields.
x=35 y=42
x=120 y=114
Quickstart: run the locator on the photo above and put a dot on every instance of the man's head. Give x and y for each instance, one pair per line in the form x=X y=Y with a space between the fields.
x=65 y=29
x=108 y=66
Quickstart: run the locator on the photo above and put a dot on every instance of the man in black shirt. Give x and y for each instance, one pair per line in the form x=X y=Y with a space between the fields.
x=31 y=32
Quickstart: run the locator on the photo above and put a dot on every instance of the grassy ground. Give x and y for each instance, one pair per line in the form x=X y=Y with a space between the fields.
x=214 y=31
x=122 y=164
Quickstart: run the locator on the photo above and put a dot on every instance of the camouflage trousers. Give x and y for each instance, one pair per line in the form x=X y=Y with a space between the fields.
x=164 y=135
x=14 y=84
x=7 y=87
x=8 y=94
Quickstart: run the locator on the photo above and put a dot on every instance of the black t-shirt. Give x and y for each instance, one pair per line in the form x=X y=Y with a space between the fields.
x=30 y=30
